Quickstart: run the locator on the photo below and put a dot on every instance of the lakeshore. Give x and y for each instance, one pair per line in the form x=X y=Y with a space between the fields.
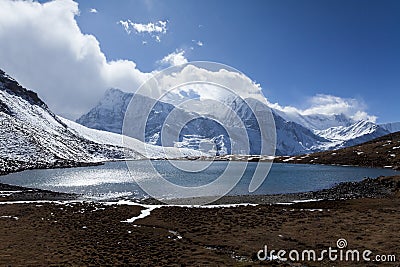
x=48 y=228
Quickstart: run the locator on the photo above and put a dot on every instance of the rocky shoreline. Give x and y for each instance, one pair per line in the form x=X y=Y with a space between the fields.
x=381 y=187
x=19 y=193
x=8 y=166
x=68 y=231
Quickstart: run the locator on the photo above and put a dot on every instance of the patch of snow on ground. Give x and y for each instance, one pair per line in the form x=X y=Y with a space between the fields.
x=289 y=159
x=143 y=213
x=305 y=200
x=10 y=217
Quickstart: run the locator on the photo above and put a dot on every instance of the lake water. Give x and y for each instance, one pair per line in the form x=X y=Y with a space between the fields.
x=113 y=178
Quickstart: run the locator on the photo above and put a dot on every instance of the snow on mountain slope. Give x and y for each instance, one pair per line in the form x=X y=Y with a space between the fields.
x=380 y=152
x=316 y=121
x=105 y=117
x=114 y=139
x=292 y=138
x=31 y=133
x=357 y=133
x=31 y=136
x=391 y=127
x=342 y=133
x=338 y=130
x=108 y=114
x=296 y=133
x=98 y=136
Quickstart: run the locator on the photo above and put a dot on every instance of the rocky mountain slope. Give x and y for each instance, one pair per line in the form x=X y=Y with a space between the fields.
x=381 y=152
x=391 y=127
x=108 y=116
x=31 y=136
x=296 y=134
x=316 y=121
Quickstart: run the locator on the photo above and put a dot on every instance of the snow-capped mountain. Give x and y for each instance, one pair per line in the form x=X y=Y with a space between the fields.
x=202 y=133
x=31 y=136
x=293 y=138
x=356 y=130
x=316 y=121
x=391 y=127
x=296 y=133
x=109 y=113
x=115 y=102
x=342 y=133
x=357 y=133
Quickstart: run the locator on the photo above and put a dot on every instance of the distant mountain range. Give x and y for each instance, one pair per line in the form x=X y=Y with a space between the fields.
x=296 y=133
x=32 y=136
x=383 y=152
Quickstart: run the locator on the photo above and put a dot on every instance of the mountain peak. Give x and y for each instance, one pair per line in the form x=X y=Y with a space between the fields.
x=11 y=86
x=113 y=91
x=391 y=127
x=109 y=113
x=296 y=133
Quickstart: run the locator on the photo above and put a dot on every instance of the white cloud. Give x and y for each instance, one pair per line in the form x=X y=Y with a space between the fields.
x=330 y=105
x=125 y=24
x=158 y=27
x=155 y=29
x=174 y=59
x=93 y=10
x=226 y=76
x=43 y=47
x=199 y=43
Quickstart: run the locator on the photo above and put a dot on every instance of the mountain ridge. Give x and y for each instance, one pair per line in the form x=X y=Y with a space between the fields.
x=296 y=134
x=32 y=136
x=381 y=152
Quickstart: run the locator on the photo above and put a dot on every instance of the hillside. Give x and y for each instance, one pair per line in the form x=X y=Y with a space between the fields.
x=295 y=133
x=32 y=136
x=382 y=152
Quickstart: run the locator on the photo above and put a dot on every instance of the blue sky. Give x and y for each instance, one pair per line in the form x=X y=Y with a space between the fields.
x=294 y=49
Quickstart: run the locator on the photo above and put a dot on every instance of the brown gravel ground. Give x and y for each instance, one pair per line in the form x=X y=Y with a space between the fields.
x=92 y=234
